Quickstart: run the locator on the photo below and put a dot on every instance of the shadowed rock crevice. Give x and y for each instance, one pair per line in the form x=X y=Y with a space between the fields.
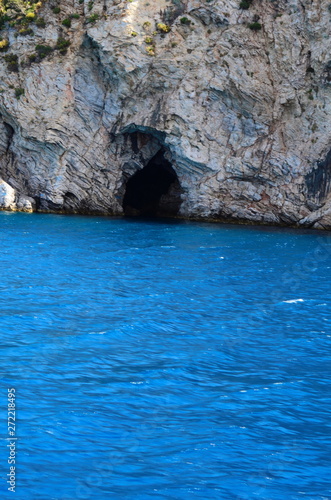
x=318 y=181
x=10 y=134
x=154 y=190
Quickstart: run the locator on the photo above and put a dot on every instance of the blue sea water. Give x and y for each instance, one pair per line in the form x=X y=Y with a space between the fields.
x=165 y=359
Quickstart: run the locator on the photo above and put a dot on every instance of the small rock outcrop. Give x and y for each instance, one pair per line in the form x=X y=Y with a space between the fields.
x=229 y=100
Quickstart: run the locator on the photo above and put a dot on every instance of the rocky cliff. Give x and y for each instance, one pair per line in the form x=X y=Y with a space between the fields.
x=200 y=108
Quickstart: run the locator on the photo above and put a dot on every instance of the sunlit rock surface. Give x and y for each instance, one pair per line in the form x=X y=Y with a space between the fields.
x=7 y=196
x=242 y=116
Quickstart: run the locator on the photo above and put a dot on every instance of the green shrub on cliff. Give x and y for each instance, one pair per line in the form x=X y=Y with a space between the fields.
x=18 y=92
x=4 y=44
x=32 y=58
x=30 y=16
x=25 y=32
x=3 y=20
x=164 y=28
x=255 y=26
x=43 y=50
x=62 y=45
x=185 y=20
x=66 y=22
x=92 y=18
x=40 y=22
x=245 y=4
x=12 y=62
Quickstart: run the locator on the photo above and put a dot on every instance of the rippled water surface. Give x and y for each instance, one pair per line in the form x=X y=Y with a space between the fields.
x=165 y=360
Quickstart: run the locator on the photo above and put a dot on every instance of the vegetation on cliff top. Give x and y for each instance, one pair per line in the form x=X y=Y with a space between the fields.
x=19 y=14
x=11 y=9
x=22 y=16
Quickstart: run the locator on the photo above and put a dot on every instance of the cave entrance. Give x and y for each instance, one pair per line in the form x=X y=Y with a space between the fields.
x=153 y=191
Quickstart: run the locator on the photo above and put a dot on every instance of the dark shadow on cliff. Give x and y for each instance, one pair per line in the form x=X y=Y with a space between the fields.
x=153 y=191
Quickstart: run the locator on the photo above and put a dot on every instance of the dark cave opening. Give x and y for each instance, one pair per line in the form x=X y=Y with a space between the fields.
x=153 y=191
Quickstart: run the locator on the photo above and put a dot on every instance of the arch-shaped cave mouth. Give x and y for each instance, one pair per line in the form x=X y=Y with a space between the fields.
x=154 y=190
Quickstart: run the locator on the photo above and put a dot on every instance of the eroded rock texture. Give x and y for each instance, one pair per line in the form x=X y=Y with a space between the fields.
x=241 y=116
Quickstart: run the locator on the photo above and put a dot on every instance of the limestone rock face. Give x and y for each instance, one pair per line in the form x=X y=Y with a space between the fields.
x=7 y=196
x=240 y=115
